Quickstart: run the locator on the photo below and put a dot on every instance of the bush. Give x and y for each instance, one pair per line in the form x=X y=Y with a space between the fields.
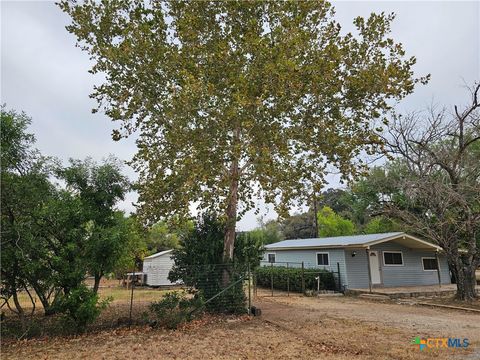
x=199 y=265
x=80 y=307
x=175 y=308
x=284 y=277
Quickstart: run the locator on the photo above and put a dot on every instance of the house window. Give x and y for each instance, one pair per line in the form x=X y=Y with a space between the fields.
x=322 y=259
x=271 y=258
x=430 y=264
x=392 y=258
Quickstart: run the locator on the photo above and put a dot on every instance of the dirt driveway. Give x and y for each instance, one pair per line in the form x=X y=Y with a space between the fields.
x=372 y=328
x=295 y=327
x=423 y=321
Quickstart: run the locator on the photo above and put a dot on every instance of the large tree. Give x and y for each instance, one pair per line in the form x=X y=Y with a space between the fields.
x=237 y=99
x=436 y=183
x=24 y=187
x=41 y=225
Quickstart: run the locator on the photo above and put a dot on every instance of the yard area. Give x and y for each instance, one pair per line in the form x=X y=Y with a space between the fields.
x=115 y=314
x=300 y=327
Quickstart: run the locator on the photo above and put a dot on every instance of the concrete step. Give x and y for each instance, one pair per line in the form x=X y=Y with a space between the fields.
x=374 y=296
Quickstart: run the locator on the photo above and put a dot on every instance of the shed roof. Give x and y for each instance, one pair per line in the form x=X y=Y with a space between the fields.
x=352 y=241
x=158 y=254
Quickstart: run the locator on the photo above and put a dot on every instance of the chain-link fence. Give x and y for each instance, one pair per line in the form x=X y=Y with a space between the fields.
x=294 y=278
x=189 y=290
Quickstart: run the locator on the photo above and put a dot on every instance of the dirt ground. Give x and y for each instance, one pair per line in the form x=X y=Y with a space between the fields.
x=294 y=327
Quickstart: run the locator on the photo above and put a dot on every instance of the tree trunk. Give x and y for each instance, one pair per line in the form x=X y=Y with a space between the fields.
x=44 y=299
x=231 y=214
x=230 y=226
x=96 y=283
x=20 y=311
x=466 y=282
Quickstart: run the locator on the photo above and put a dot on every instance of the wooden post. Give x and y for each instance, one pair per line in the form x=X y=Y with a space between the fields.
x=438 y=270
x=315 y=219
x=303 y=278
x=369 y=271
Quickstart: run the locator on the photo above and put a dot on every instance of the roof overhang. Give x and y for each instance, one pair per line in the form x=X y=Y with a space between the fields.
x=161 y=253
x=408 y=241
x=318 y=247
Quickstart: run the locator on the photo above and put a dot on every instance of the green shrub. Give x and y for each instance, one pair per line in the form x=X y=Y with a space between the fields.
x=199 y=264
x=175 y=308
x=80 y=307
x=284 y=278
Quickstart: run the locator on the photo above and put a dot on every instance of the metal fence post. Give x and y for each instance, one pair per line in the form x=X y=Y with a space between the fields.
x=249 y=291
x=132 y=283
x=303 y=278
x=288 y=282
x=339 y=281
x=271 y=277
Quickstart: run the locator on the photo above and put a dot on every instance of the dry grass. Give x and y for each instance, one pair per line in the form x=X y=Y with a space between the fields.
x=295 y=327
x=116 y=294
x=116 y=314
x=452 y=301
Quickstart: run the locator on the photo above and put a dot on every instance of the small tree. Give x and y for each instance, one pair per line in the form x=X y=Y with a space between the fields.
x=99 y=187
x=199 y=264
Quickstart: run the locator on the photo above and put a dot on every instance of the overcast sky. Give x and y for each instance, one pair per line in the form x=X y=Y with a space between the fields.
x=45 y=75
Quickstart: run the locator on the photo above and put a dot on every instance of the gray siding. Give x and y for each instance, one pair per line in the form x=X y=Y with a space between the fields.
x=411 y=273
x=357 y=268
x=354 y=270
x=309 y=257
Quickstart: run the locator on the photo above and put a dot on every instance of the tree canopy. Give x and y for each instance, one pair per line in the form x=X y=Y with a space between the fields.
x=53 y=236
x=233 y=99
x=331 y=224
x=436 y=181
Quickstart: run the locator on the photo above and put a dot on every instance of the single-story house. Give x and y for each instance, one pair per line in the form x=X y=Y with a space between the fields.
x=365 y=261
x=156 y=268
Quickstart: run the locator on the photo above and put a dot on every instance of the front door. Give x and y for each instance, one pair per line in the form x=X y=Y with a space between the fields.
x=374 y=267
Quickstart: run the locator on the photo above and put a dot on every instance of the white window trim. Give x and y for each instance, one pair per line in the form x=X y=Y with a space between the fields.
x=324 y=252
x=430 y=257
x=274 y=254
x=393 y=251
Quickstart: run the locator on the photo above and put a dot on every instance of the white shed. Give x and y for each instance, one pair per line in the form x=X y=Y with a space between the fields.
x=156 y=268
